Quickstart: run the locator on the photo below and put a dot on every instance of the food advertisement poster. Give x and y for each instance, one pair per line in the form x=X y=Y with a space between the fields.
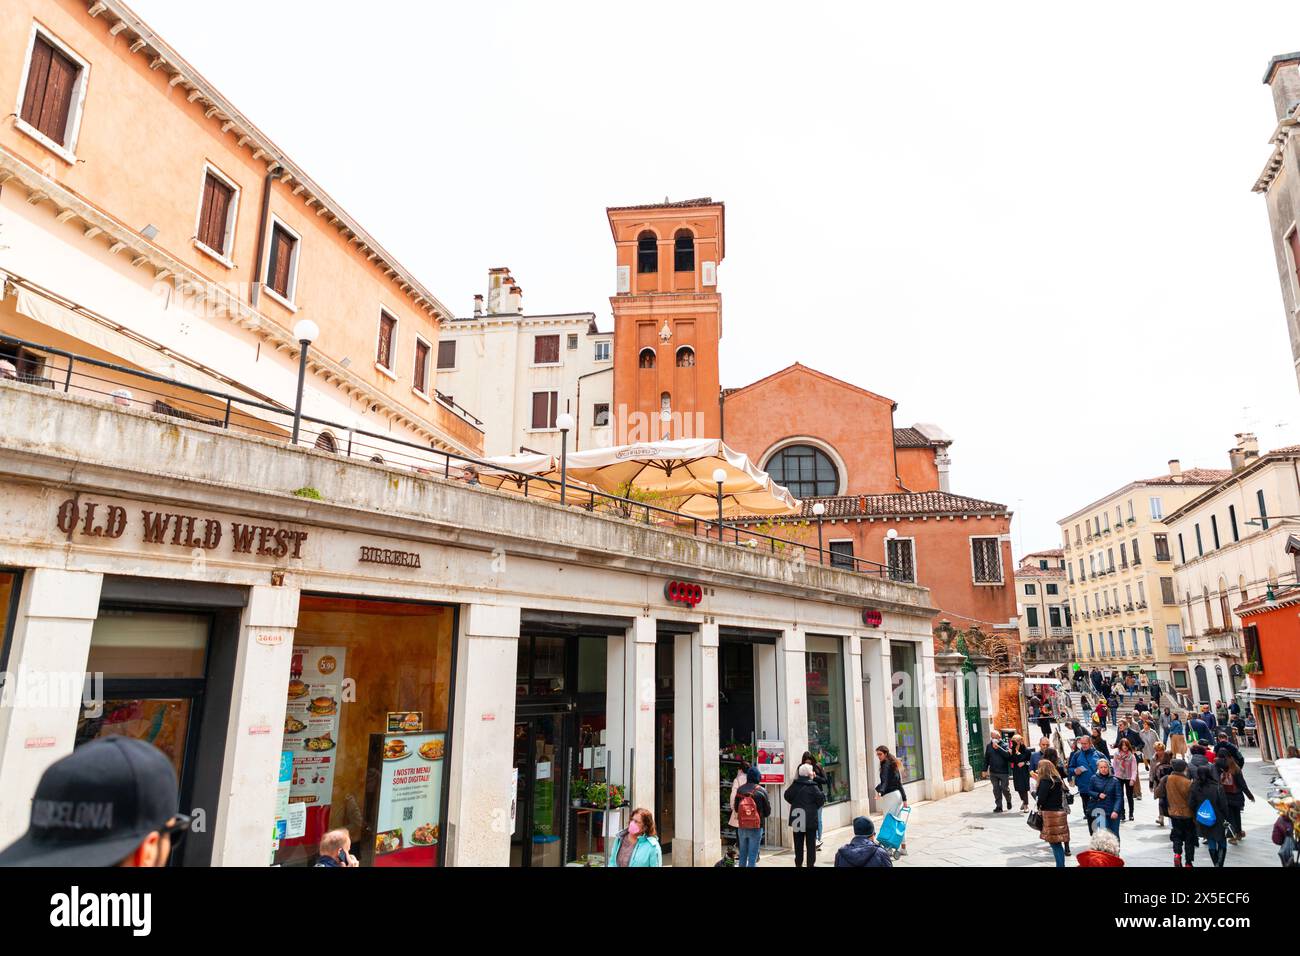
x=311 y=734
x=405 y=722
x=771 y=760
x=407 y=822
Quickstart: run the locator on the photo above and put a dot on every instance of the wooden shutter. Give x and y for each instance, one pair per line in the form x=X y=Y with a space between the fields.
x=546 y=349
x=277 y=270
x=541 y=406
x=216 y=209
x=1294 y=240
x=447 y=353
x=385 y=353
x=421 y=365
x=51 y=80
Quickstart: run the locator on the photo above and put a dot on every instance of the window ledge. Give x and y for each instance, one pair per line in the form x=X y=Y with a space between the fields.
x=212 y=253
x=542 y=431
x=384 y=370
x=419 y=394
x=58 y=149
x=279 y=298
x=546 y=365
x=989 y=584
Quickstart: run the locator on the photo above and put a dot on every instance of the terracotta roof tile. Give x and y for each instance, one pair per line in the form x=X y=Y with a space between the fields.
x=888 y=506
x=1192 y=476
x=681 y=204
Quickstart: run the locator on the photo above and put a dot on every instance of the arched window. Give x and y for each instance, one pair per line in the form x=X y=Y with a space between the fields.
x=1209 y=613
x=1225 y=606
x=686 y=357
x=647 y=252
x=665 y=404
x=646 y=358
x=807 y=471
x=325 y=442
x=1241 y=586
x=683 y=251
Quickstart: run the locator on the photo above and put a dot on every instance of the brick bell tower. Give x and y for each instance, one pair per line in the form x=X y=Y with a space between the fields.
x=667 y=319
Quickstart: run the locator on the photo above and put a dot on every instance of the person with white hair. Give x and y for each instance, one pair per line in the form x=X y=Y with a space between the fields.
x=805 y=798
x=1103 y=850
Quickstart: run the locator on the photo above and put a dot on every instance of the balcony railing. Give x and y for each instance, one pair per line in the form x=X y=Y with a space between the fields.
x=92 y=378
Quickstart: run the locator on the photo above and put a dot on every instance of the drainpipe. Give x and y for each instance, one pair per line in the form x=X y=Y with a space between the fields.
x=255 y=287
x=722 y=415
x=577 y=418
x=893 y=444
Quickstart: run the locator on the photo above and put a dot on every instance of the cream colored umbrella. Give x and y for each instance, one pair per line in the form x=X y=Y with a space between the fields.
x=679 y=475
x=540 y=477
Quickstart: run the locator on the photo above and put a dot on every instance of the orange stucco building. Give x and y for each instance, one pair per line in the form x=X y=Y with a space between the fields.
x=1271 y=632
x=667 y=319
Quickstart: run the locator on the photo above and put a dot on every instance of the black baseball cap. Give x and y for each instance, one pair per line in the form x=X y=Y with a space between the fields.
x=93 y=807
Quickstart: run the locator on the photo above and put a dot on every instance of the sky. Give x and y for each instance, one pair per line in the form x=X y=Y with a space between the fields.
x=1030 y=224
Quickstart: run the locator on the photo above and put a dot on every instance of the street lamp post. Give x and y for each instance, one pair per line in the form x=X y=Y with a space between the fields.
x=719 y=476
x=819 y=509
x=564 y=422
x=306 y=332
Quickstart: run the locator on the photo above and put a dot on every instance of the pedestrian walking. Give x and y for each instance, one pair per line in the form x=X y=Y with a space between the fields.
x=1159 y=770
x=863 y=850
x=892 y=796
x=820 y=778
x=1081 y=768
x=805 y=798
x=1166 y=719
x=1045 y=717
x=1150 y=740
x=997 y=764
x=1210 y=808
x=1020 y=770
x=1053 y=805
x=1177 y=736
x=1102 y=707
x=1107 y=797
x=752 y=808
x=1286 y=832
x=1124 y=767
x=1099 y=742
x=1174 y=793
x=637 y=844
x=1226 y=746
x=1235 y=793
x=736 y=783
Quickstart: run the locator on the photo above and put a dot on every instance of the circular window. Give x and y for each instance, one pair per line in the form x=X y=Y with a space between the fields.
x=807 y=471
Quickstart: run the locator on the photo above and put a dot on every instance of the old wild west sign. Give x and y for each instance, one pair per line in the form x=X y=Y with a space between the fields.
x=93 y=519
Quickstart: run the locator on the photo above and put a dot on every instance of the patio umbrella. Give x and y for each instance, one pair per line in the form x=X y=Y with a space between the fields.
x=678 y=475
x=501 y=473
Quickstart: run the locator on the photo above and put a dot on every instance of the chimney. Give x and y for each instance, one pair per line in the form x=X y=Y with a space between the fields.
x=1283 y=77
x=515 y=301
x=478 y=305
x=498 y=279
x=1176 y=471
x=1245 y=452
x=942 y=462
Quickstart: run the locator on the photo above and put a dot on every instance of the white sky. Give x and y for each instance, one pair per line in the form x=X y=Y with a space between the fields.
x=1028 y=223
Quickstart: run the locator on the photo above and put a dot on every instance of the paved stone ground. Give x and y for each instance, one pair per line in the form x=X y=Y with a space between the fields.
x=962 y=830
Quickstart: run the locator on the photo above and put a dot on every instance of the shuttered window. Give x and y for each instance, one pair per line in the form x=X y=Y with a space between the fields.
x=421 y=377
x=279 y=267
x=1294 y=240
x=387 y=331
x=544 y=409
x=215 y=214
x=546 y=349
x=447 y=353
x=898 y=554
x=51 y=84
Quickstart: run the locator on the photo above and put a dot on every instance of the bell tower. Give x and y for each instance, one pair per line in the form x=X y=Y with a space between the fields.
x=667 y=319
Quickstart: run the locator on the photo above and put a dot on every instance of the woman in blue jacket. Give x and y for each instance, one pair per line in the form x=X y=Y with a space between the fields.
x=1107 y=796
x=638 y=844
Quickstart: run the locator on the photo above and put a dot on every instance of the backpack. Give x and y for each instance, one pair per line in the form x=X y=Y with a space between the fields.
x=1287 y=852
x=1228 y=782
x=1205 y=814
x=747 y=815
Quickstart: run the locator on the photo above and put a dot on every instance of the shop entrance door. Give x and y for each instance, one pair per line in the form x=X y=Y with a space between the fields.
x=665 y=777
x=541 y=759
x=1203 y=684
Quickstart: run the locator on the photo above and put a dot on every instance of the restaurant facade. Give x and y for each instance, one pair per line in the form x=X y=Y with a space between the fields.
x=458 y=676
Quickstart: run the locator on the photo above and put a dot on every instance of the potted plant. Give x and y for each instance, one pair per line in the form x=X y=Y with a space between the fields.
x=578 y=791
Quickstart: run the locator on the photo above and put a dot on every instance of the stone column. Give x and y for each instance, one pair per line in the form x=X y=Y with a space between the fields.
x=877 y=674
x=792 y=690
x=858 y=745
x=948 y=665
x=44 y=685
x=636 y=694
x=697 y=840
x=482 y=753
x=245 y=813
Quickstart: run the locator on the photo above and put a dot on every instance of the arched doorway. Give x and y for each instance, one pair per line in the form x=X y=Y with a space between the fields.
x=1203 y=684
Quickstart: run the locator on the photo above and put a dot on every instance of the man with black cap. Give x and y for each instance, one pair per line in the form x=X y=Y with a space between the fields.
x=862 y=850
x=111 y=802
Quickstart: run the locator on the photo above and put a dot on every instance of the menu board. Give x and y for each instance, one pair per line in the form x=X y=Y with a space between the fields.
x=405 y=798
x=311 y=734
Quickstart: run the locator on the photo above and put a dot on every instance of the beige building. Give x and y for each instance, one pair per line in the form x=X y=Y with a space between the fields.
x=1120 y=576
x=1228 y=544
x=1043 y=610
x=519 y=373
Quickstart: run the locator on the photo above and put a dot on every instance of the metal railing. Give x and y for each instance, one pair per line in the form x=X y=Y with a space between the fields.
x=69 y=372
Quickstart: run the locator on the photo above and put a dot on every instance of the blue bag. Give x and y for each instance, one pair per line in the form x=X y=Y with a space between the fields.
x=1205 y=814
x=893 y=829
